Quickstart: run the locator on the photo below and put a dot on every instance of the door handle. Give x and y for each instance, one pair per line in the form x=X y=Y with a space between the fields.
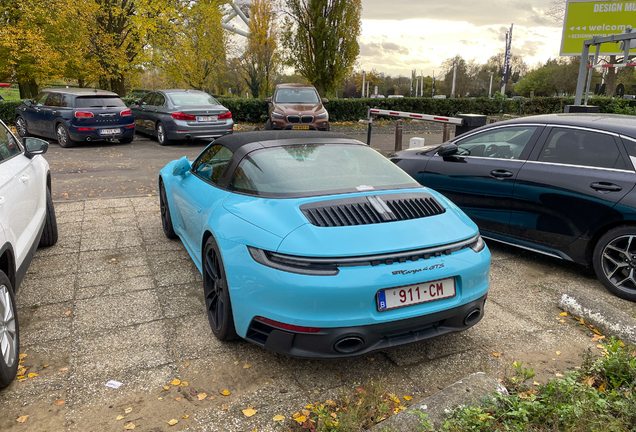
x=606 y=187
x=156 y=110
x=198 y=209
x=24 y=178
x=54 y=112
x=501 y=174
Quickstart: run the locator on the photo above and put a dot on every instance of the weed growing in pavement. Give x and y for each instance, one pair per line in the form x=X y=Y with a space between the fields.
x=600 y=396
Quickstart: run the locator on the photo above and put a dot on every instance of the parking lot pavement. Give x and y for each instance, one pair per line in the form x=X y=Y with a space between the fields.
x=116 y=300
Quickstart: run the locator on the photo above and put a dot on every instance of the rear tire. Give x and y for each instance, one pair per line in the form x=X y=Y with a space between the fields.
x=21 y=126
x=63 y=139
x=160 y=132
x=49 y=234
x=614 y=261
x=166 y=219
x=9 y=333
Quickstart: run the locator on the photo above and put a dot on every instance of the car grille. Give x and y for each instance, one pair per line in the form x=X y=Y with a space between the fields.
x=307 y=119
x=293 y=119
x=371 y=210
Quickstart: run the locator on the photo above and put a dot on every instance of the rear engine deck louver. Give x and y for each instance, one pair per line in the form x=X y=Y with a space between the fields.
x=371 y=209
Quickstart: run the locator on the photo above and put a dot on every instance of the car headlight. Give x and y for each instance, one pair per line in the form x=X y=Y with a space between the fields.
x=478 y=245
x=277 y=115
x=323 y=115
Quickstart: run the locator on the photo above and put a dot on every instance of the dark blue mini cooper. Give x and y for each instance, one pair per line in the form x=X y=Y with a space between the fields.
x=76 y=115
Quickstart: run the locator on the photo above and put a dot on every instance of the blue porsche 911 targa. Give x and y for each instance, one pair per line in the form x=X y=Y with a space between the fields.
x=312 y=244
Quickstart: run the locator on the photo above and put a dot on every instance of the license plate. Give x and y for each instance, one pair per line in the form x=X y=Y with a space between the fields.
x=414 y=294
x=109 y=131
x=301 y=127
x=207 y=118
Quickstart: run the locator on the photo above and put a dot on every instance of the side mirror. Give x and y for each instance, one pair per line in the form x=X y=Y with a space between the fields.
x=268 y=100
x=28 y=103
x=325 y=100
x=447 y=149
x=181 y=167
x=34 y=146
x=143 y=103
x=137 y=102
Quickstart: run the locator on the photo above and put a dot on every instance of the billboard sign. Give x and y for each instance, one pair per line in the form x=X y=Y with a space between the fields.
x=585 y=19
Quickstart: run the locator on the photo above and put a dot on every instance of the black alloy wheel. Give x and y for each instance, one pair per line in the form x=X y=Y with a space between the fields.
x=615 y=261
x=217 y=296
x=166 y=219
x=21 y=127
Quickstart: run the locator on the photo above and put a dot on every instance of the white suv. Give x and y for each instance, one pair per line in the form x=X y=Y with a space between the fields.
x=27 y=219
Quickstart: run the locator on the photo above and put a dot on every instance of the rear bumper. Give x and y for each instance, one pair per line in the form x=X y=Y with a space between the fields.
x=95 y=135
x=353 y=341
x=278 y=124
x=178 y=130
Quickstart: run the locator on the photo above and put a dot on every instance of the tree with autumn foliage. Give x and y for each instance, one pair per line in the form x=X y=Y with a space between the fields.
x=36 y=40
x=320 y=37
x=261 y=58
x=195 y=52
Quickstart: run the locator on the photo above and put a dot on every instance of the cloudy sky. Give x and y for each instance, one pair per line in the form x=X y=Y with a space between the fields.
x=401 y=35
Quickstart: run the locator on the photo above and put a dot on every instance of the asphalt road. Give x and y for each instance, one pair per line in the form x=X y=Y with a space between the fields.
x=109 y=170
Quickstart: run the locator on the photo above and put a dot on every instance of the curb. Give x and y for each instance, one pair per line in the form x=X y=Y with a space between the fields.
x=467 y=391
x=604 y=317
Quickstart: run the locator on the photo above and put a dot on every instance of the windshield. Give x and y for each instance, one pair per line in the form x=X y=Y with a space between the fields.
x=317 y=169
x=192 y=99
x=297 y=95
x=99 y=102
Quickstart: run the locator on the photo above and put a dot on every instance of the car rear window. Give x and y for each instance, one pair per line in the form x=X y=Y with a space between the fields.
x=192 y=99
x=296 y=95
x=317 y=169
x=99 y=102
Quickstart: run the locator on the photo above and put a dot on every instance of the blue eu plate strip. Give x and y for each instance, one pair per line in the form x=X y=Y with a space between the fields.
x=381 y=300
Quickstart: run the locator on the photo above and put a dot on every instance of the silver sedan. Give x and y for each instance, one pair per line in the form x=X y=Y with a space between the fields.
x=178 y=115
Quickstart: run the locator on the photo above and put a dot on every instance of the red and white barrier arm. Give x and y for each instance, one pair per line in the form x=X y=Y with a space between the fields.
x=609 y=65
x=433 y=118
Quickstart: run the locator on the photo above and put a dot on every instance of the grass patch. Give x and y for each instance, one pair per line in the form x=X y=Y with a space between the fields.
x=600 y=396
x=10 y=93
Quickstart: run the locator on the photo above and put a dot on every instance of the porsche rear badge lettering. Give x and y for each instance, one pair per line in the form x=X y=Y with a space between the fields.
x=407 y=272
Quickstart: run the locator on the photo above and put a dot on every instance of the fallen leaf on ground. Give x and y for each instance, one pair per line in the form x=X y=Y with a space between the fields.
x=45 y=366
x=22 y=370
x=175 y=382
x=119 y=417
x=22 y=419
x=601 y=387
x=183 y=384
x=249 y=412
x=185 y=416
x=236 y=362
x=563 y=314
x=173 y=422
x=558 y=353
x=166 y=387
x=536 y=383
x=496 y=354
x=296 y=415
x=247 y=366
x=278 y=417
x=67 y=313
x=212 y=397
x=129 y=426
x=224 y=409
x=177 y=399
x=32 y=375
x=558 y=374
x=20 y=377
x=334 y=415
x=60 y=402
x=22 y=357
x=187 y=364
x=316 y=391
x=226 y=392
x=305 y=412
x=300 y=419
x=193 y=391
x=202 y=396
x=596 y=331
x=128 y=410
x=408 y=398
x=63 y=369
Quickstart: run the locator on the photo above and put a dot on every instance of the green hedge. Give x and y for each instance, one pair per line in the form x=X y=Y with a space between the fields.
x=255 y=110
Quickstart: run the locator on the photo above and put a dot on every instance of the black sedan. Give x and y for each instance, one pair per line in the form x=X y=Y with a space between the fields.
x=181 y=115
x=561 y=185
